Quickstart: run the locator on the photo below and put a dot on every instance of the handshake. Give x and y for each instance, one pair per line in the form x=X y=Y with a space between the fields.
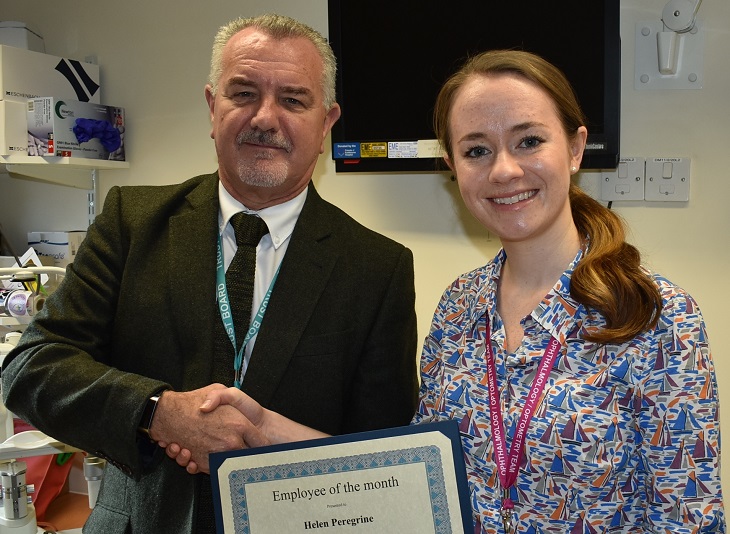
x=191 y=425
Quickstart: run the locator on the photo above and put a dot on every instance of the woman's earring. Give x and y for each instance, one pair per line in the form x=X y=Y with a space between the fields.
x=573 y=169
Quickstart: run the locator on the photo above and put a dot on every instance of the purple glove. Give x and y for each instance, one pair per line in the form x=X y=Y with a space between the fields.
x=86 y=129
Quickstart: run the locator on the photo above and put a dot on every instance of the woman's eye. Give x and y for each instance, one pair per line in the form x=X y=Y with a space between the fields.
x=531 y=141
x=476 y=152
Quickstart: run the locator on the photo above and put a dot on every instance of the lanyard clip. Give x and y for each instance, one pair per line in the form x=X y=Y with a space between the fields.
x=506 y=511
x=506 y=520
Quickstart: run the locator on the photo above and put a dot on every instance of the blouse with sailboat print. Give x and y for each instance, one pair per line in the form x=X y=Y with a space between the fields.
x=625 y=438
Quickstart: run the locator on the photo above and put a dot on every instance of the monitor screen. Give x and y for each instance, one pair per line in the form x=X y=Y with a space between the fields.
x=393 y=56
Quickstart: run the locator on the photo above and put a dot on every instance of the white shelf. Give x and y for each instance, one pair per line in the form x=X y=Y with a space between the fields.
x=13 y=322
x=72 y=172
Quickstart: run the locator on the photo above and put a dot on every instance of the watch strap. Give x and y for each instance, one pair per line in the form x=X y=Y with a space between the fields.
x=148 y=414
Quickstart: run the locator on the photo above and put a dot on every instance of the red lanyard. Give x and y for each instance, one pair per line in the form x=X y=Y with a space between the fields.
x=508 y=465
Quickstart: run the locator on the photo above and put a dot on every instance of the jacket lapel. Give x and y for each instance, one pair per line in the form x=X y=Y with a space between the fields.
x=191 y=279
x=307 y=266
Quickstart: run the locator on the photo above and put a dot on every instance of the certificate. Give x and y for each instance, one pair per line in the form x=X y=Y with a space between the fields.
x=398 y=480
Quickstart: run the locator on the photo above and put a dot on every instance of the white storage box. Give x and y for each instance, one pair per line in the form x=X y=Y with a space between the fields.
x=28 y=74
x=14 y=33
x=61 y=246
x=13 y=128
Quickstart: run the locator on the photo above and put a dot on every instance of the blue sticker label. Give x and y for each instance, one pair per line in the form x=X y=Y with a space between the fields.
x=347 y=150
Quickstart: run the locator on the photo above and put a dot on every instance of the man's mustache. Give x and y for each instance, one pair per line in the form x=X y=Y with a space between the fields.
x=263 y=138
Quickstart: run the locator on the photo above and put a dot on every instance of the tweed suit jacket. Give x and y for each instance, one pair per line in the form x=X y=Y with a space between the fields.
x=135 y=313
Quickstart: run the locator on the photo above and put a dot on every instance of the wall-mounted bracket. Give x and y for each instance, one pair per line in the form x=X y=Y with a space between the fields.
x=683 y=54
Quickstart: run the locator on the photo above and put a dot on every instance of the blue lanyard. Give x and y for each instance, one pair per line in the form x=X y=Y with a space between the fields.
x=227 y=316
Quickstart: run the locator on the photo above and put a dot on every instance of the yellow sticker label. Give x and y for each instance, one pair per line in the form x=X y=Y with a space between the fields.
x=374 y=150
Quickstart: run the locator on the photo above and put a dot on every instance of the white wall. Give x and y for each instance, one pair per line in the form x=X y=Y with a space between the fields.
x=154 y=62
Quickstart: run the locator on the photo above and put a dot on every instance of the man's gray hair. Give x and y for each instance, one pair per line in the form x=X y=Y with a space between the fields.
x=278 y=27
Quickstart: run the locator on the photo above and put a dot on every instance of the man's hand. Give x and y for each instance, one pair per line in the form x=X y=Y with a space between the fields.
x=179 y=421
x=264 y=426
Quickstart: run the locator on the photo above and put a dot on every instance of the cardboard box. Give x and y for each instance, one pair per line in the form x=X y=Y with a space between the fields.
x=14 y=33
x=29 y=74
x=13 y=128
x=61 y=246
x=69 y=128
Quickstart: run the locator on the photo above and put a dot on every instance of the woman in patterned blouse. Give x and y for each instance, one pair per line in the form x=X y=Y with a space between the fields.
x=621 y=431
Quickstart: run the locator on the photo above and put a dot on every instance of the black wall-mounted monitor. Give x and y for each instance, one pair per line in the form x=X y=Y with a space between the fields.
x=393 y=57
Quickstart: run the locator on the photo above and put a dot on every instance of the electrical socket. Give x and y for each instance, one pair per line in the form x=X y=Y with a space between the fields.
x=667 y=179
x=626 y=182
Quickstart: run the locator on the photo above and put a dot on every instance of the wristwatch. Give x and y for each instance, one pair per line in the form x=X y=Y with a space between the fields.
x=148 y=414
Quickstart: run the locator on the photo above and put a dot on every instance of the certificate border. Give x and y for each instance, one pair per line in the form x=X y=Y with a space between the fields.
x=397 y=456
x=430 y=456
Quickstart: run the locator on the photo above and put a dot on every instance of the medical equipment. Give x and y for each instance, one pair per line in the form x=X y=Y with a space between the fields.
x=17 y=514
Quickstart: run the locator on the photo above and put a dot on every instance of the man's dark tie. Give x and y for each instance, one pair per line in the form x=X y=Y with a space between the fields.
x=249 y=230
